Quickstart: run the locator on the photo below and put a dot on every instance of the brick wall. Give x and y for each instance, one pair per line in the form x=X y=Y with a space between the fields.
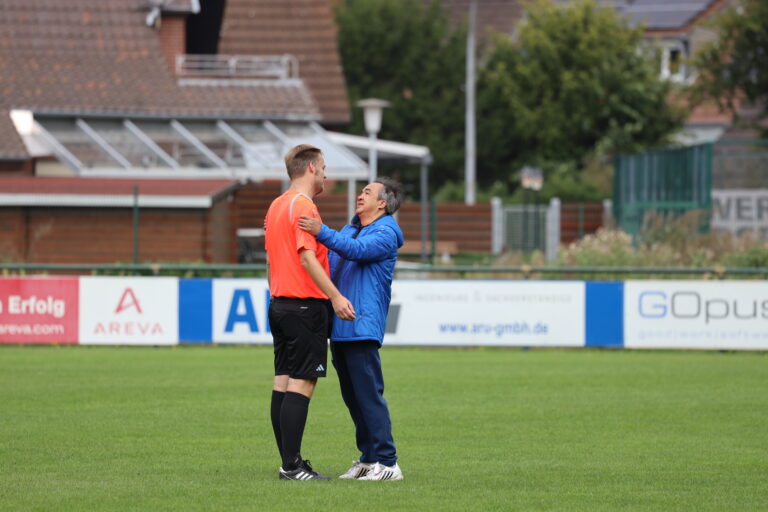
x=172 y=36
x=105 y=235
x=12 y=233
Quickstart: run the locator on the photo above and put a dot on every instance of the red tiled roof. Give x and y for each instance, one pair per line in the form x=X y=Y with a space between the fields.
x=303 y=28
x=11 y=146
x=98 y=56
x=114 y=187
x=709 y=113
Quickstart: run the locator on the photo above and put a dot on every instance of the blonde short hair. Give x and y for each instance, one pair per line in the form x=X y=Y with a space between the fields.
x=299 y=157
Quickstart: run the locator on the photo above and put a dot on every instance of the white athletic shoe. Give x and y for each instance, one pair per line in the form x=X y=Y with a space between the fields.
x=358 y=469
x=382 y=472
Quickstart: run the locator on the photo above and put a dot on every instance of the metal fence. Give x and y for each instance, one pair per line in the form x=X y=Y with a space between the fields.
x=667 y=182
x=403 y=270
x=279 y=67
x=727 y=180
x=740 y=164
x=527 y=228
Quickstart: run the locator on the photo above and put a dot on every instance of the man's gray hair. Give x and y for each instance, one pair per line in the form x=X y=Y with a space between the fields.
x=392 y=193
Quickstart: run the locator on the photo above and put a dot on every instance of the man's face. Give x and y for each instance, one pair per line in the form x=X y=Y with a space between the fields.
x=319 y=167
x=368 y=201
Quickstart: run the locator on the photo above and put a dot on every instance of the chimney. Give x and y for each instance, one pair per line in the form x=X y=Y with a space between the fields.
x=172 y=33
x=169 y=19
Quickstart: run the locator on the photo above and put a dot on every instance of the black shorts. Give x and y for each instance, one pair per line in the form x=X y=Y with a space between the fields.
x=300 y=334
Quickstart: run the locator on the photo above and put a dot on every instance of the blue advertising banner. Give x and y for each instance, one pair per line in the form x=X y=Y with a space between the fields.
x=604 y=314
x=195 y=309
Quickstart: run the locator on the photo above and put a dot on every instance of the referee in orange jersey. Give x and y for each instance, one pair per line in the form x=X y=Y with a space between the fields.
x=300 y=286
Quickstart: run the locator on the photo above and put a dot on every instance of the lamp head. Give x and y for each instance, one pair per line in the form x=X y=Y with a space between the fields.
x=372 y=112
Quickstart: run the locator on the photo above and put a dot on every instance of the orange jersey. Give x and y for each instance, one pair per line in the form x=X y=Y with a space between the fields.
x=284 y=242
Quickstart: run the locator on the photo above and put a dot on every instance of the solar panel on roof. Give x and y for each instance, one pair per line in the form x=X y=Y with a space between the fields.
x=656 y=13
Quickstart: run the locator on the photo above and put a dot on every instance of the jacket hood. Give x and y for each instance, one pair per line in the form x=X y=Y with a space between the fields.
x=388 y=221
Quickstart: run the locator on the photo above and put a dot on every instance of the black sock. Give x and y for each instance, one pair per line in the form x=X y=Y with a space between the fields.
x=293 y=417
x=277 y=403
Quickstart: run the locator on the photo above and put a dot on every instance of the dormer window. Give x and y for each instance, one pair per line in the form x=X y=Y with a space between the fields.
x=673 y=55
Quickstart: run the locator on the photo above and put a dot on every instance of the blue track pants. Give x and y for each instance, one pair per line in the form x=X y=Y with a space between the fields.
x=362 y=387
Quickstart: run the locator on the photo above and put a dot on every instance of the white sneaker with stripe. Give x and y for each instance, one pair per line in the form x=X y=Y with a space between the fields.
x=382 y=472
x=358 y=469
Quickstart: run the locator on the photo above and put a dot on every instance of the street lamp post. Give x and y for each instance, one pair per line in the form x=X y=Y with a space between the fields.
x=469 y=119
x=373 y=110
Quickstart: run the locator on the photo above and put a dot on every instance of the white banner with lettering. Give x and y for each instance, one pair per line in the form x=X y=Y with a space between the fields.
x=474 y=312
x=696 y=314
x=129 y=310
x=240 y=311
x=741 y=211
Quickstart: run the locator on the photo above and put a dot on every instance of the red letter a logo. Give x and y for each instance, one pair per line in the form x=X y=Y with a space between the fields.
x=127 y=300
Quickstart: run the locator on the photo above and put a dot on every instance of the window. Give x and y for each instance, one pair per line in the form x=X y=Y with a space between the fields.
x=673 y=55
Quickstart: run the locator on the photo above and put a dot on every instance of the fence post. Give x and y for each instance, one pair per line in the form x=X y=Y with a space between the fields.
x=135 y=223
x=607 y=213
x=536 y=222
x=433 y=230
x=497 y=225
x=553 y=229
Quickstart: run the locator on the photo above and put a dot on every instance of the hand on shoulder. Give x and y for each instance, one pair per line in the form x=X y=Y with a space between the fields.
x=310 y=224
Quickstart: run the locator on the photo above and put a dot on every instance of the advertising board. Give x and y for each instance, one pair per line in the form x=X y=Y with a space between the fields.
x=129 y=311
x=478 y=312
x=38 y=310
x=240 y=311
x=696 y=314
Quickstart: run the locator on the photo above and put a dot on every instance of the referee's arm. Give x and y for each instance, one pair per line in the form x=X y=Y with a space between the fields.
x=341 y=306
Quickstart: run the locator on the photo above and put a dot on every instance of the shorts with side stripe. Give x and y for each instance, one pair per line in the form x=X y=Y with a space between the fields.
x=300 y=334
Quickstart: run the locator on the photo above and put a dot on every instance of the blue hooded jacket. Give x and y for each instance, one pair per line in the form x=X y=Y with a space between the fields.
x=362 y=263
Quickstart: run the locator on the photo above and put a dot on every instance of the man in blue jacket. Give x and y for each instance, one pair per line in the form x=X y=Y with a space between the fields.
x=362 y=263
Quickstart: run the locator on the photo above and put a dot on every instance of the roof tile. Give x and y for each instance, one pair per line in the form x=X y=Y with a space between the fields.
x=98 y=56
x=303 y=28
x=11 y=146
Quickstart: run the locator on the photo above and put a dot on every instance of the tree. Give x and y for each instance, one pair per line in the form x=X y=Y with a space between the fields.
x=735 y=64
x=406 y=52
x=573 y=84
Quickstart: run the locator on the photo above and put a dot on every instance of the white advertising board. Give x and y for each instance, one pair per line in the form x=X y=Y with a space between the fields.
x=696 y=314
x=129 y=311
x=431 y=312
x=474 y=312
x=741 y=211
x=240 y=311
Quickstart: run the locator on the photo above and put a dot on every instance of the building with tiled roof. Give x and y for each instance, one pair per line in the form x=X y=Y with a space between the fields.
x=678 y=28
x=102 y=95
x=302 y=28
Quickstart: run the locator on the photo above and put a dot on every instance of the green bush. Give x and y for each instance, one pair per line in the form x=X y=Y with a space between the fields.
x=754 y=257
x=667 y=242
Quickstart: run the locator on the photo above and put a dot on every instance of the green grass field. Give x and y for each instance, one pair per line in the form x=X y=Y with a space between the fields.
x=106 y=428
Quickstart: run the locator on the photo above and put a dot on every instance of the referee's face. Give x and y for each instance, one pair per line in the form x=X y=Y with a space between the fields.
x=319 y=167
